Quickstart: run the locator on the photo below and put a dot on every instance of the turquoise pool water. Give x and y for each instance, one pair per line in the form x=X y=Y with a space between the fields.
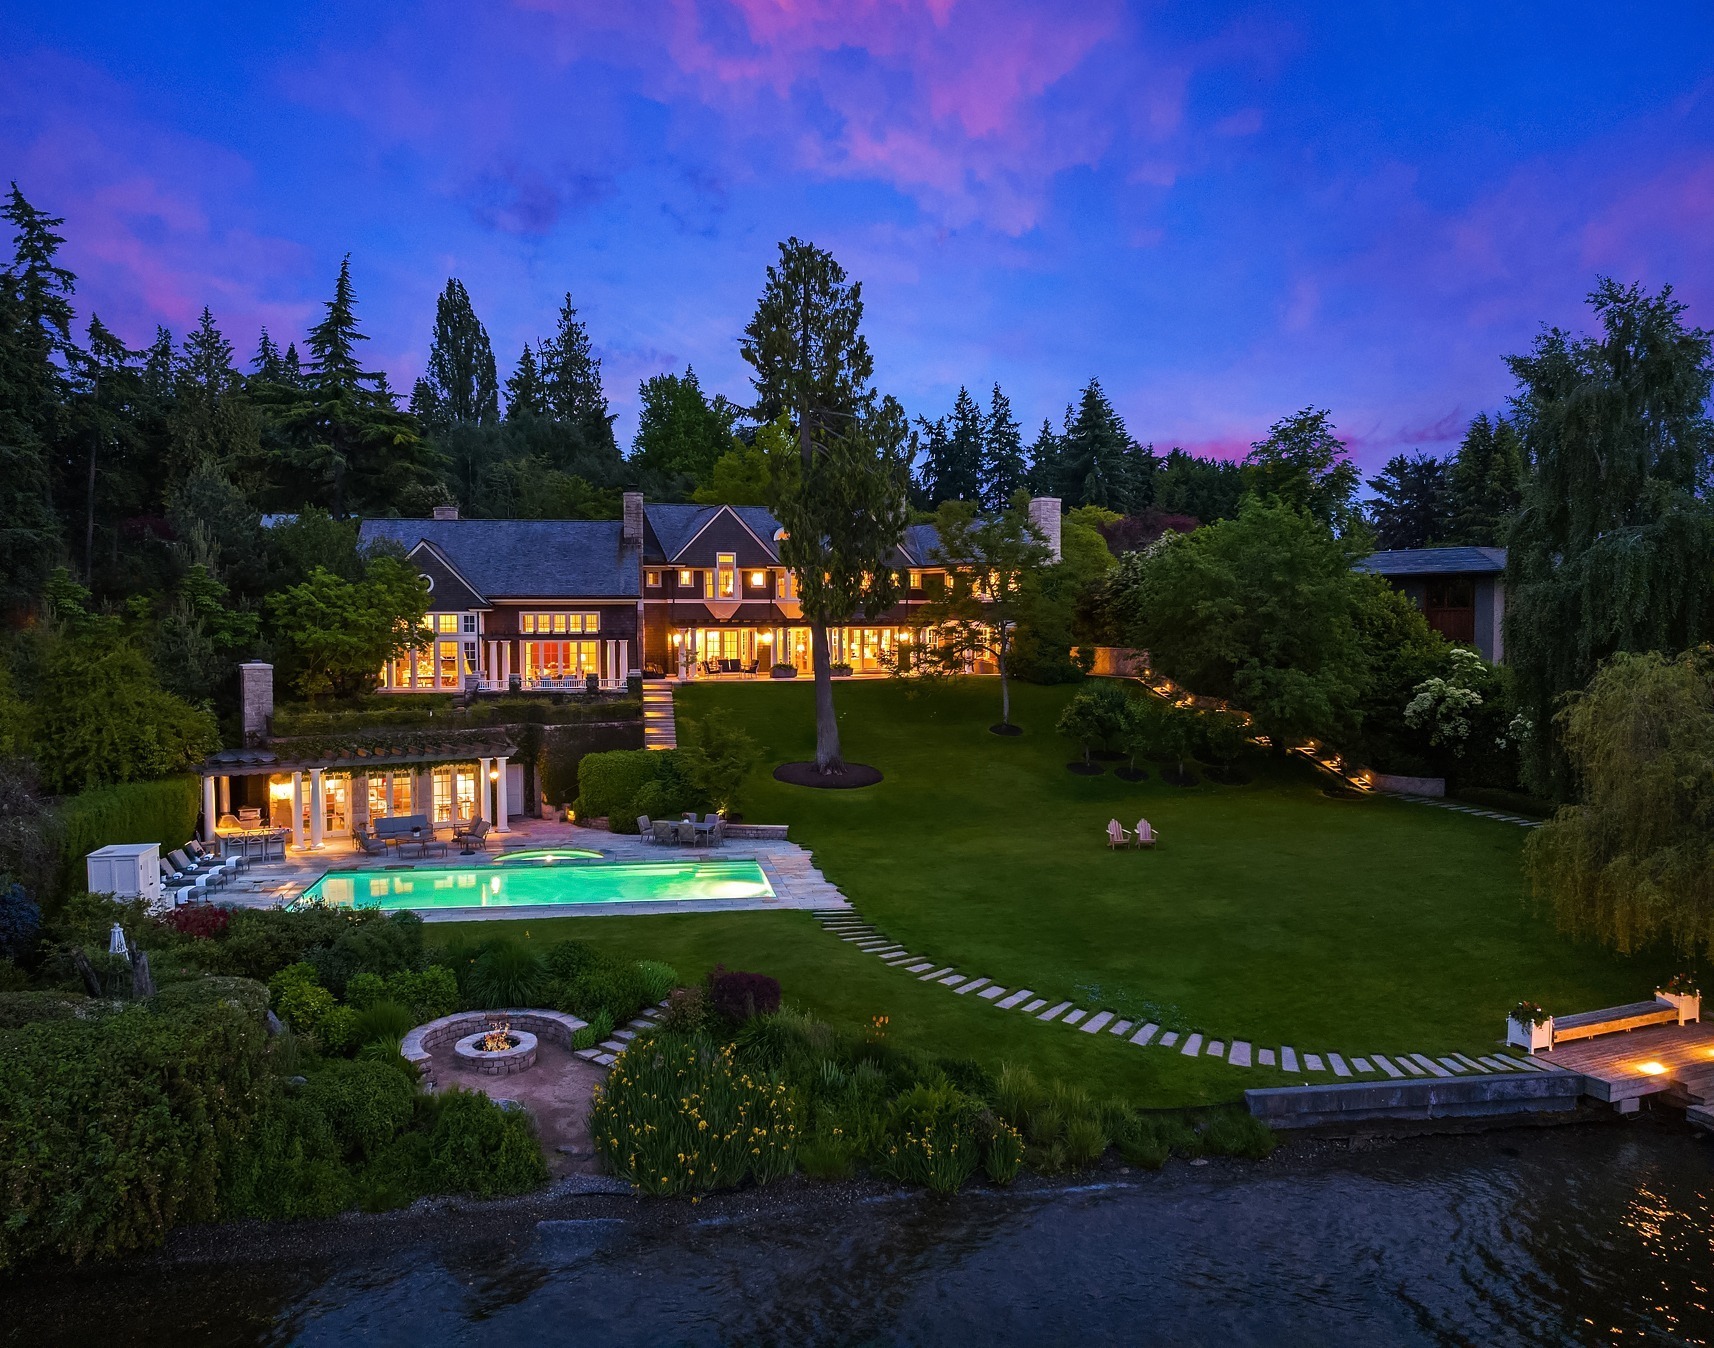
x=425 y=887
x=546 y=856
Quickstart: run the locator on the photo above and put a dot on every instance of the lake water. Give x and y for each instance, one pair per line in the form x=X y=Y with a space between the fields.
x=1564 y=1236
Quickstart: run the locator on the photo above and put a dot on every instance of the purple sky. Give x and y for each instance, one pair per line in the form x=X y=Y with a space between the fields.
x=1223 y=212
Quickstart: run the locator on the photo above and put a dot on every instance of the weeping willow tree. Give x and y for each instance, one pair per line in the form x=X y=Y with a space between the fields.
x=1612 y=548
x=1635 y=860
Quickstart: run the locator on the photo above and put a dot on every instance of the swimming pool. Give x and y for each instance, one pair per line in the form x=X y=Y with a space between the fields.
x=425 y=887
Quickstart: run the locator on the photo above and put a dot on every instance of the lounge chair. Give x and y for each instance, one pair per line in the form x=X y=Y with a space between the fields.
x=237 y=862
x=1145 y=835
x=1116 y=835
x=473 y=835
x=216 y=872
x=178 y=882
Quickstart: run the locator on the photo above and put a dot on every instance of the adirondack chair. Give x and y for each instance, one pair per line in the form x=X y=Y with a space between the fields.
x=1145 y=835
x=1116 y=835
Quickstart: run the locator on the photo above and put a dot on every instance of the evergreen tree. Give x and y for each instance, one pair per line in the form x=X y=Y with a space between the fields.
x=1045 y=456
x=961 y=476
x=571 y=382
x=460 y=384
x=525 y=395
x=1304 y=465
x=294 y=374
x=43 y=289
x=680 y=433
x=211 y=420
x=268 y=363
x=29 y=528
x=1612 y=548
x=206 y=362
x=1486 y=481
x=1413 y=502
x=1099 y=464
x=348 y=447
x=843 y=512
x=929 y=445
x=1004 y=470
x=1207 y=490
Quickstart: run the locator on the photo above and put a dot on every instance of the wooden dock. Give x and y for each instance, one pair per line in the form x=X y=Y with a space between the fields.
x=1624 y=1067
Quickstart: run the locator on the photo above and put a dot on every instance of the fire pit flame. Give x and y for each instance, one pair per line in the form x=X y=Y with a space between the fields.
x=498 y=1039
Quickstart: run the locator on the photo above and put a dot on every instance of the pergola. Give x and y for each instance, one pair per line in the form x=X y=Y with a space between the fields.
x=307 y=763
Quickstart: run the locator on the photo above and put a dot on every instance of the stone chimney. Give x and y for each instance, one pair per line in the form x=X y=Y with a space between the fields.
x=256 y=701
x=1044 y=514
x=632 y=530
x=448 y=512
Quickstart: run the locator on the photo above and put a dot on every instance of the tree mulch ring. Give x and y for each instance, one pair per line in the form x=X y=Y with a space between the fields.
x=1131 y=774
x=1228 y=776
x=1107 y=756
x=1083 y=769
x=807 y=774
x=1005 y=728
x=1173 y=777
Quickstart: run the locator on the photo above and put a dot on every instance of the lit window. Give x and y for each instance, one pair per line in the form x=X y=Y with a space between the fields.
x=726 y=571
x=591 y=622
x=446 y=622
x=652 y=579
x=788 y=585
x=757 y=579
x=527 y=622
x=915 y=579
x=559 y=622
x=686 y=578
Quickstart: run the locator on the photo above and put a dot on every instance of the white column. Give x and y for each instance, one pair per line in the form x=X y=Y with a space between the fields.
x=505 y=664
x=298 y=810
x=317 y=809
x=226 y=795
x=500 y=804
x=484 y=806
x=208 y=815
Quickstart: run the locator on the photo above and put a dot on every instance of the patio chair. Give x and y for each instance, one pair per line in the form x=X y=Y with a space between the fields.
x=687 y=833
x=370 y=845
x=1145 y=835
x=473 y=835
x=1116 y=835
x=665 y=831
x=645 y=830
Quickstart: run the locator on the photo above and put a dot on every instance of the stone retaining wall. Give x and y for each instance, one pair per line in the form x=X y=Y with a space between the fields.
x=1457 y=1097
x=776 y=832
x=418 y=1046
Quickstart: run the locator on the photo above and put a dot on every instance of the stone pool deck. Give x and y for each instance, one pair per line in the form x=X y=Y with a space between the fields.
x=791 y=871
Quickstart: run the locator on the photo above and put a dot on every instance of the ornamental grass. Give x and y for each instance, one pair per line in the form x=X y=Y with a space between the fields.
x=679 y=1114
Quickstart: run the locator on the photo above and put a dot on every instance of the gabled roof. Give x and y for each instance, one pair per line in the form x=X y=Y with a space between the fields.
x=450 y=588
x=1436 y=562
x=524 y=559
x=669 y=529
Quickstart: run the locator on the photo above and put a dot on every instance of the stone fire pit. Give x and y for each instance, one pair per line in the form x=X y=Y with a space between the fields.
x=520 y=1054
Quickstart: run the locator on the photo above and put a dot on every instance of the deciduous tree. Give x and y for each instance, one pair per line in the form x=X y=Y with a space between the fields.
x=1304 y=465
x=1413 y=505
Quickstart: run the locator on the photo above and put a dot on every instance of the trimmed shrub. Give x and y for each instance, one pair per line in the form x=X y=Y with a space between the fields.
x=616 y=989
x=475 y=1147
x=363 y=990
x=162 y=812
x=599 y=1028
x=428 y=994
x=686 y=1011
x=679 y=1115
x=246 y=994
x=607 y=783
x=111 y=1132
x=299 y=998
x=565 y=747
x=20 y=923
x=337 y=1032
x=24 y=1007
x=287 y=1167
x=567 y=959
x=199 y=922
x=738 y=996
x=365 y=1104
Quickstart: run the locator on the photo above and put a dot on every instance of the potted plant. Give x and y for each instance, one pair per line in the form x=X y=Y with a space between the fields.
x=1681 y=990
x=1529 y=1027
x=841 y=670
x=783 y=671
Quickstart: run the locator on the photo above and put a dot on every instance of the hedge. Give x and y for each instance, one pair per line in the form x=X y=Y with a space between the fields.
x=409 y=712
x=111 y=1132
x=608 y=783
x=565 y=747
x=161 y=812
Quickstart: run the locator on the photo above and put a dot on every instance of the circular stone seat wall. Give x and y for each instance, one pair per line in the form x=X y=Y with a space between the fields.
x=553 y=1026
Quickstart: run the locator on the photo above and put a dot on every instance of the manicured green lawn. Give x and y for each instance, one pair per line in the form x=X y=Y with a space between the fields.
x=1270 y=912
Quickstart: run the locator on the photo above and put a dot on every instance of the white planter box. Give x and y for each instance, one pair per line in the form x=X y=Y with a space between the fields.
x=1689 y=1004
x=1529 y=1037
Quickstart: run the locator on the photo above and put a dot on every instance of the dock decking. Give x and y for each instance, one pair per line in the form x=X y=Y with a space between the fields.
x=1635 y=1063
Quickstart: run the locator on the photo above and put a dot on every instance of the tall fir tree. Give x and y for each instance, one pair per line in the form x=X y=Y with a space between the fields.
x=1004 y=469
x=460 y=385
x=1486 y=481
x=525 y=395
x=1099 y=465
x=571 y=382
x=962 y=480
x=43 y=289
x=1046 y=453
x=269 y=363
x=930 y=448
x=1413 y=502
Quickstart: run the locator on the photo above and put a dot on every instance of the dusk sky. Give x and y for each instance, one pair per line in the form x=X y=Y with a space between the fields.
x=1223 y=212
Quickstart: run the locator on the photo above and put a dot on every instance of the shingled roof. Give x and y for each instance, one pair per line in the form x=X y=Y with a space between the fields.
x=1436 y=562
x=525 y=559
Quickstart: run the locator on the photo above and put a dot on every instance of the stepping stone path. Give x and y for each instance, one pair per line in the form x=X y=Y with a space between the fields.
x=606 y=1053
x=1441 y=804
x=1142 y=1034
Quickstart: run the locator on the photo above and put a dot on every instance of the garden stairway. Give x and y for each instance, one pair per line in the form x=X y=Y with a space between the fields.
x=660 y=730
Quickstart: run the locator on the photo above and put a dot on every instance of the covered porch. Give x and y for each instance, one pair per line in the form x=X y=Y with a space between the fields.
x=735 y=650
x=307 y=799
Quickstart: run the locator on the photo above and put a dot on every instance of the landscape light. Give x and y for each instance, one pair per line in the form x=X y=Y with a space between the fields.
x=1651 y=1069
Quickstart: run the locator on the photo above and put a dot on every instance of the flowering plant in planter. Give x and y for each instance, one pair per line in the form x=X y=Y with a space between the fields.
x=1682 y=985
x=1530 y=1013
